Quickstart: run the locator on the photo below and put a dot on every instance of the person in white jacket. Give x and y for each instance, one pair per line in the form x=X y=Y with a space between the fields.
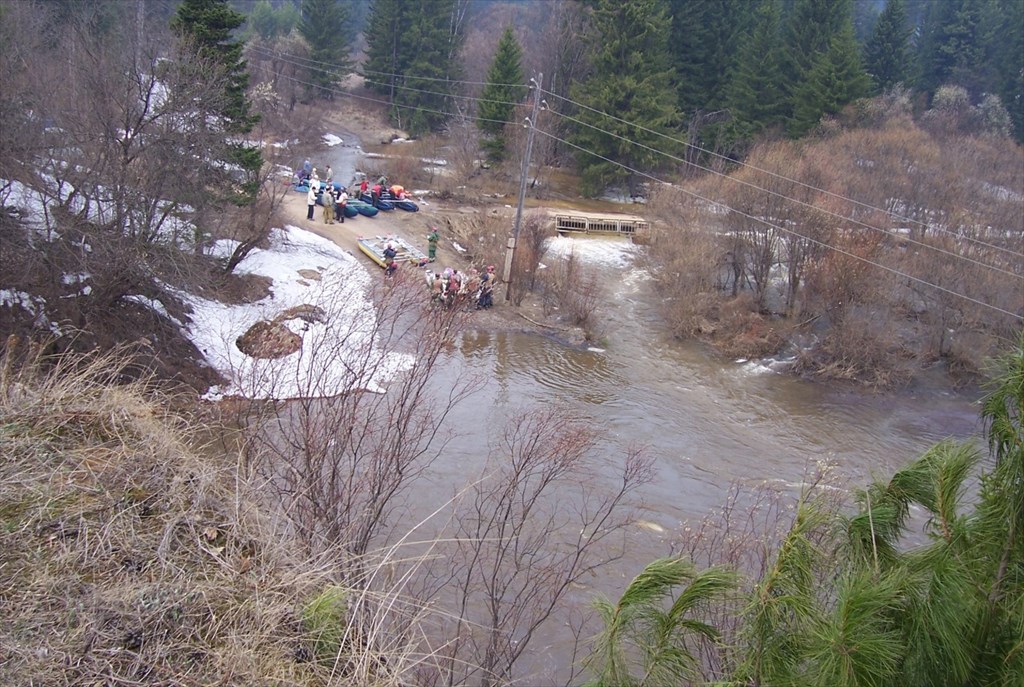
x=310 y=202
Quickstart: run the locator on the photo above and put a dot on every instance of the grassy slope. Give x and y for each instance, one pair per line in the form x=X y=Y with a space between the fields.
x=129 y=558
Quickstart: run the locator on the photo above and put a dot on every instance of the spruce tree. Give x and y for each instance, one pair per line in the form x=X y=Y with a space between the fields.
x=632 y=80
x=807 y=32
x=755 y=96
x=703 y=43
x=835 y=80
x=411 y=51
x=886 y=56
x=383 y=41
x=208 y=24
x=262 y=21
x=269 y=23
x=325 y=27
x=952 y=46
x=504 y=90
x=1008 y=57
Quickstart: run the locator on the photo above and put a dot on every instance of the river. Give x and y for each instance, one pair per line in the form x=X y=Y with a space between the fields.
x=707 y=424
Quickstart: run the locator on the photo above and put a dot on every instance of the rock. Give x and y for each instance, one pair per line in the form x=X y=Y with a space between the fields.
x=268 y=340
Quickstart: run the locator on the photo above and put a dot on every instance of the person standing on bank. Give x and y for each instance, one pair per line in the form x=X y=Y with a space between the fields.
x=486 y=298
x=328 y=201
x=339 y=205
x=310 y=201
x=432 y=238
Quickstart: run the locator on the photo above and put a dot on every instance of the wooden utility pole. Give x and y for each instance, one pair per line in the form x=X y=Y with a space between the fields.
x=524 y=173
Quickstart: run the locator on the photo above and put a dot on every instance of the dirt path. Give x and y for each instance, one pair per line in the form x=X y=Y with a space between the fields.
x=414 y=227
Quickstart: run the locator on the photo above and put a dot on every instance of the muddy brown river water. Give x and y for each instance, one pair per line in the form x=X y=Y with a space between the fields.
x=707 y=424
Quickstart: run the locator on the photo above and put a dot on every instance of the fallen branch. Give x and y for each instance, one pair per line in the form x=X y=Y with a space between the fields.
x=541 y=324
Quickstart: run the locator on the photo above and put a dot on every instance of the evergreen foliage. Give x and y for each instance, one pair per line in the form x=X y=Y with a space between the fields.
x=835 y=80
x=886 y=55
x=98 y=17
x=808 y=30
x=1005 y=54
x=383 y=59
x=262 y=21
x=755 y=95
x=704 y=39
x=209 y=25
x=859 y=601
x=977 y=44
x=632 y=80
x=651 y=622
x=325 y=27
x=411 y=51
x=953 y=44
x=269 y=23
x=504 y=90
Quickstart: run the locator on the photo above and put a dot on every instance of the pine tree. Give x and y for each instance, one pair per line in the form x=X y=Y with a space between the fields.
x=504 y=90
x=383 y=42
x=703 y=41
x=807 y=32
x=755 y=96
x=325 y=27
x=208 y=24
x=1008 y=58
x=952 y=46
x=886 y=56
x=411 y=57
x=632 y=80
x=262 y=21
x=269 y=23
x=835 y=80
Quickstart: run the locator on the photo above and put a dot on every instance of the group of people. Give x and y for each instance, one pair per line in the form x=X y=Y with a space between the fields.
x=309 y=175
x=448 y=288
x=451 y=288
x=381 y=190
x=334 y=202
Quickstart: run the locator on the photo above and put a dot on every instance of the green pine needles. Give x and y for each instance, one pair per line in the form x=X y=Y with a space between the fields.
x=503 y=92
x=856 y=600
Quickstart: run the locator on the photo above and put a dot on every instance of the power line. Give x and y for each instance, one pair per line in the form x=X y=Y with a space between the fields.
x=425 y=78
x=775 y=174
x=347 y=94
x=410 y=88
x=790 y=231
x=330 y=66
x=790 y=198
x=699 y=197
x=698 y=166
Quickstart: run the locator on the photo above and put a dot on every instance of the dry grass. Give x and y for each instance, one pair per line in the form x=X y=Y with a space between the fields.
x=132 y=558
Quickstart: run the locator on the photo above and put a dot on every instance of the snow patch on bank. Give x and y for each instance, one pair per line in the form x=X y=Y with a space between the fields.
x=338 y=354
x=603 y=252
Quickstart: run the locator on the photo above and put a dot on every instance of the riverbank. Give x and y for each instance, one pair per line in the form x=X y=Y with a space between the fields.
x=354 y=127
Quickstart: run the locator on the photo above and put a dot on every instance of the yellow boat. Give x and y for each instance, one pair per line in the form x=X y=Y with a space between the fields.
x=373 y=247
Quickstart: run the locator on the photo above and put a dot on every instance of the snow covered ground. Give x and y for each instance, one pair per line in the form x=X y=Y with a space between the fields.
x=338 y=352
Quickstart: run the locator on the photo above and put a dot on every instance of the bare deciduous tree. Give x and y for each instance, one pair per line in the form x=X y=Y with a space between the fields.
x=341 y=453
x=534 y=524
